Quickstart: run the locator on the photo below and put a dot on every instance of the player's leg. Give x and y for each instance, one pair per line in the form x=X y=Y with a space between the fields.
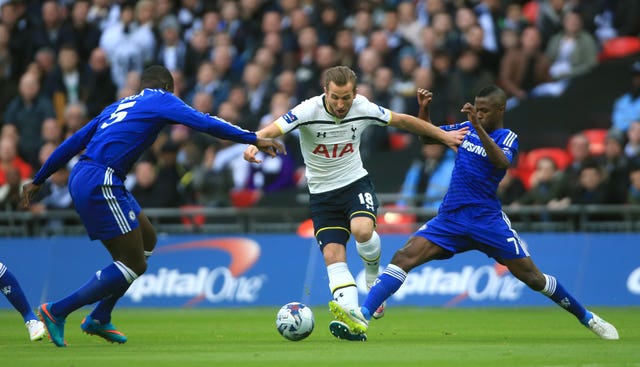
x=11 y=289
x=369 y=248
x=418 y=250
x=98 y=322
x=525 y=270
x=497 y=239
x=129 y=263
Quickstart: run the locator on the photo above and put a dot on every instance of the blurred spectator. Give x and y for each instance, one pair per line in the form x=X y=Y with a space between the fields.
x=633 y=192
x=408 y=25
x=75 y=117
x=592 y=186
x=207 y=82
x=514 y=18
x=489 y=15
x=101 y=89
x=572 y=51
x=443 y=108
x=128 y=45
x=546 y=184
x=427 y=180
x=9 y=160
x=615 y=165
x=626 y=108
x=8 y=86
x=362 y=28
x=51 y=131
x=510 y=188
x=171 y=51
x=10 y=190
x=328 y=23
x=198 y=50
x=49 y=32
x=489 y=61
x=524 y=67
x=368 y=61
x=578 y=148
x=404 y=86
x=68 y=81
x=27 y=111
x=632 y=148
x=12 y=15
x=467 y=79
x=257 y=89
x=549 y=18
x=212 y=186
x=345 y=48
x=169 y=175
x=85 y=36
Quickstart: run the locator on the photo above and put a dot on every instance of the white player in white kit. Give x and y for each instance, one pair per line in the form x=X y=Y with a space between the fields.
x=342 y=196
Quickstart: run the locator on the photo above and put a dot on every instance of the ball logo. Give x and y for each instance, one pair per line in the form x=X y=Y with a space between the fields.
x=217 y=284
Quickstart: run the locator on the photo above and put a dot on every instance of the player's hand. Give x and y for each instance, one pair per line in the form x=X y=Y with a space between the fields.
x=424 y=97
x=270 y=146
x=470 y=110
x=454 y=137
x=250 y=154
x=28 y=190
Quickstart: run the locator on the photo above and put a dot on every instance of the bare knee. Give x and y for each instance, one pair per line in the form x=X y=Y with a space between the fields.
x=534 y=280
x=334 y=253
x=362 y=228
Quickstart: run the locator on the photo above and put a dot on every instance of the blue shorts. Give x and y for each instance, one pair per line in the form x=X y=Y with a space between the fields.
x=475 y=228
x=333 y=210
x=105 y=206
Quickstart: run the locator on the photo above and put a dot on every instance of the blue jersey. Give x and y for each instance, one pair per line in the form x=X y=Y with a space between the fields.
x=124 y=130
x=474 y=180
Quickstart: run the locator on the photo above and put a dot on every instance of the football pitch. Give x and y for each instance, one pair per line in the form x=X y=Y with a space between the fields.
x=522 y=337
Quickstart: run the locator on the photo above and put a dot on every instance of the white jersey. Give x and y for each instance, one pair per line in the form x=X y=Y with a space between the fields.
x=331 y=146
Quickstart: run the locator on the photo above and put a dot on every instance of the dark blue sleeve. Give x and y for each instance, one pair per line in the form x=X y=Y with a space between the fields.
x=65 y=151
x=176 y=110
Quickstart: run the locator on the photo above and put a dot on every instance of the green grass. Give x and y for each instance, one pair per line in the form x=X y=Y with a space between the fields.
x=493 y=337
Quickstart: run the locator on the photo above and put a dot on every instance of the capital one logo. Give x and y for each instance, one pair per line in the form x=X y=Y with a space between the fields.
x=633 y=282
x=224 y=283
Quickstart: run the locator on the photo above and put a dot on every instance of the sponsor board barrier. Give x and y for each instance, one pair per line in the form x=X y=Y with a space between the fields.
x=273 y=269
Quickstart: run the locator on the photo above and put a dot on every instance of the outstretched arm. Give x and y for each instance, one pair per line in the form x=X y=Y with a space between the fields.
x=423 y=127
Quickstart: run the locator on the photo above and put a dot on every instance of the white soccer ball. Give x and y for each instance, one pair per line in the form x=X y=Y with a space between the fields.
x=295 y=321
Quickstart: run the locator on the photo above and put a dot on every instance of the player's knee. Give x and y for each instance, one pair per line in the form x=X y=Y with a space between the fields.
x=138 y=266
x=362 y=233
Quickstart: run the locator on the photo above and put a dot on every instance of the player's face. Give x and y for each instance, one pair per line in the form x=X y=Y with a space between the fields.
x=489 y=112
x=339 y=98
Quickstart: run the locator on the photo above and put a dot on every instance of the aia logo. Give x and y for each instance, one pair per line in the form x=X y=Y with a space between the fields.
x=333 y=150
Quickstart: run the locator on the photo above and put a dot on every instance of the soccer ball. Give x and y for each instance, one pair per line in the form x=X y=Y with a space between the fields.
x=295 y=321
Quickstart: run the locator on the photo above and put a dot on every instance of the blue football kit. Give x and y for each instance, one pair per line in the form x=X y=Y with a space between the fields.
x=470 y=216
x=113 y=141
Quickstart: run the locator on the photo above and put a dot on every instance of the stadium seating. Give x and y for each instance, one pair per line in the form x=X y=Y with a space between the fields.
x=527 y=163
x=596 y=140
x=619 y=47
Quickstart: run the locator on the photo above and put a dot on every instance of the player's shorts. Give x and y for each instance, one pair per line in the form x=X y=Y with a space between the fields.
x=105 y=206
x=333 y=210
x=475 y=228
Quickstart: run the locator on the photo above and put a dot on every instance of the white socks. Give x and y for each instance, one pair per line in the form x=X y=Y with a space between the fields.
x=342 y=285
x=369 y=252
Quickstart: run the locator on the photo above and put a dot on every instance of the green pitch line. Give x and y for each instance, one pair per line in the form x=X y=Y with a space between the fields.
x=522 y=337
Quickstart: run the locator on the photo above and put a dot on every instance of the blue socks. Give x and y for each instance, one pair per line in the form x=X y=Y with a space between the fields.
x=387 y=284
x=559 y=295
x=11 y=289
x=114 y=280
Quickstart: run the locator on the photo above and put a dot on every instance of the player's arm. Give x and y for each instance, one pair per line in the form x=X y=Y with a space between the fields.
x=60 y=157
x=270 y=131
x=494 y=153
x=424 y=112
x=177 y=110
x=423 y=127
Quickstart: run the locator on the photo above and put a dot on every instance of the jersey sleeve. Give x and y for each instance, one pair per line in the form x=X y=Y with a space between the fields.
x=508 y=142
x=174 y=109
x=457 y=126
x=378 y=114
x=65 y=151
x=297 y=115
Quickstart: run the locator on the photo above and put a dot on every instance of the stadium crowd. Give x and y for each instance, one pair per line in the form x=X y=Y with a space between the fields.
x=250 y=61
